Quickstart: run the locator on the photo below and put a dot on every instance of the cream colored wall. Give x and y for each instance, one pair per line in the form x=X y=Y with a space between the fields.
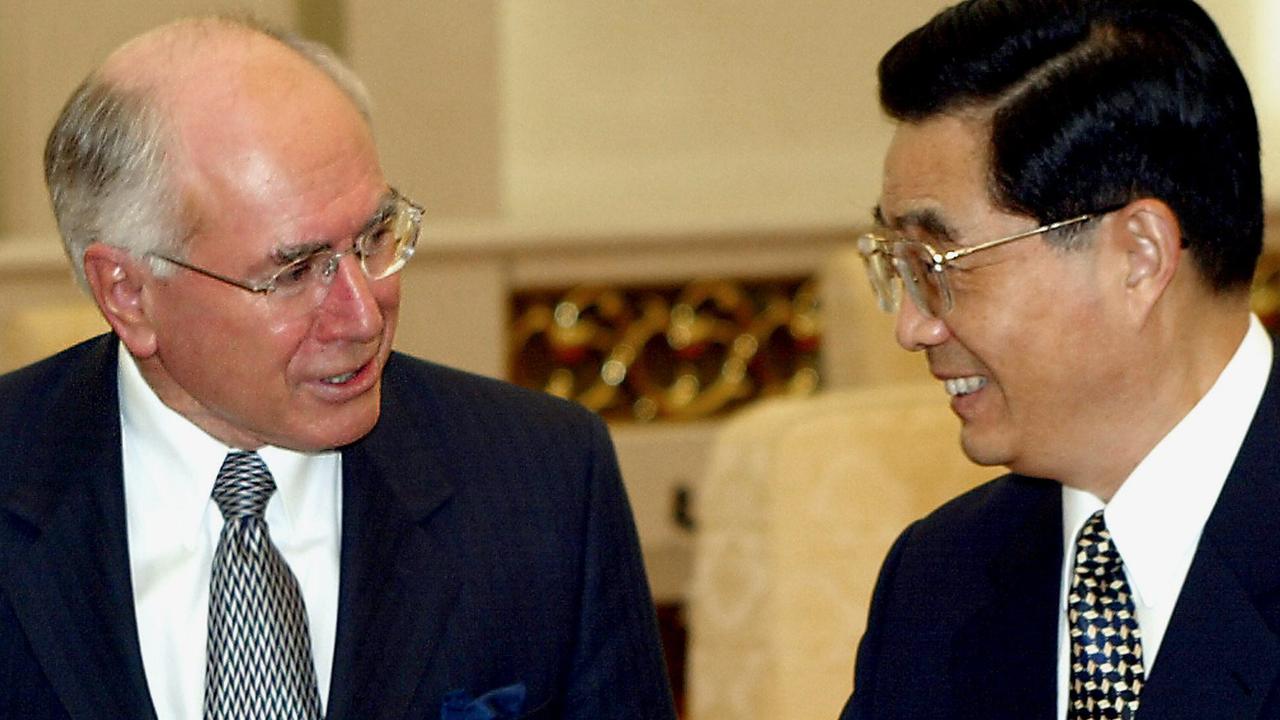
x=1251 y=28
x=708 y=113
x=432 y=68
x=46 y=48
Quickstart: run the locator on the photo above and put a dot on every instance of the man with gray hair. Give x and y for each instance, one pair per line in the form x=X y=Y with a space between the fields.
x=240 y=502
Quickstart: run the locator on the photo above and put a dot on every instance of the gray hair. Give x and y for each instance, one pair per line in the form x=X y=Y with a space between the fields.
x=105 y=162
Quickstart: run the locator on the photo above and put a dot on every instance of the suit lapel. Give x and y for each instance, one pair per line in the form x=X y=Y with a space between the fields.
x=1006 y=653
x=395 y=591
x=1219 y=657
x=70 y=585
x=1221 y=653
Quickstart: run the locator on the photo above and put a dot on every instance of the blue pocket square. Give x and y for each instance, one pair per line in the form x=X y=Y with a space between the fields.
x=505 y=702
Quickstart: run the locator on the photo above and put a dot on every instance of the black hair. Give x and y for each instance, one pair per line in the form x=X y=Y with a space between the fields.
x=1095 y=103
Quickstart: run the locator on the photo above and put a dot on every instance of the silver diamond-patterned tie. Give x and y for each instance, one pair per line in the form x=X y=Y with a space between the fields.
x=1106 y=644
x=259 y=654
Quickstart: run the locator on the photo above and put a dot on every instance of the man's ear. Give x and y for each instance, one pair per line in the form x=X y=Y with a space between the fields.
x=1148 y=240
x=118 y=283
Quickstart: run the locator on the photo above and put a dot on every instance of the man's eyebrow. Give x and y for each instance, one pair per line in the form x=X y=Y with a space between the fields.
x=927 y=219
x=287 y=254
x=385 y=205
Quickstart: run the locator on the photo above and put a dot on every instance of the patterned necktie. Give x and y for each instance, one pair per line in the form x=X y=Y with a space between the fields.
x=259 y=654
x=1106 y=644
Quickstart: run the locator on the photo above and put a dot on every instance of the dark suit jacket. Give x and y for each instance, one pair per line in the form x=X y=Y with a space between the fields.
x=486 y=541
x=964 y=620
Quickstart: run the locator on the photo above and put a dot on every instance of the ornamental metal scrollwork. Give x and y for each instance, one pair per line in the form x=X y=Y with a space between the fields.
x=682 y=352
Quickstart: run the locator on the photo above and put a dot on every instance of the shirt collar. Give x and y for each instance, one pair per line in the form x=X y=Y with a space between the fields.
x=1181 y=476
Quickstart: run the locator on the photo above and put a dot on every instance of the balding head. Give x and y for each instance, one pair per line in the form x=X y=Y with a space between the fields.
x=239 y=157
x=192 y=51
x=116 y=162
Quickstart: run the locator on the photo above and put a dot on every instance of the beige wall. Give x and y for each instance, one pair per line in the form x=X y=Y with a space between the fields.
x=714 y=112
x=432 y=68
x=1251 y=28
x=46 y=48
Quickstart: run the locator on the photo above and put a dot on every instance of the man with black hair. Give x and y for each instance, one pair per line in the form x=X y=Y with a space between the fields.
x=1072 y=206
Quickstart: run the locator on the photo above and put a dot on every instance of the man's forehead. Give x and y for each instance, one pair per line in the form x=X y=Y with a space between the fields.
x=935 y=173
x=266 y=133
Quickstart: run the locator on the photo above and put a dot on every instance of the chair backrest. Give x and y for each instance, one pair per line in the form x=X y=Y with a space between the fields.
x=796 y=513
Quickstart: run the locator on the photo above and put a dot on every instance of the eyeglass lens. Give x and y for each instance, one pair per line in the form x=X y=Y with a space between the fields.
x=381 y=252
x=885 y=284
x=893 y=264
x=926 y=287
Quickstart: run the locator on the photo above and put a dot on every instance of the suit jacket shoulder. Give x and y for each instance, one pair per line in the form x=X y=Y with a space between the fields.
x=488 y=542
x=956 y=627
x=429 y=392
x=66 y=602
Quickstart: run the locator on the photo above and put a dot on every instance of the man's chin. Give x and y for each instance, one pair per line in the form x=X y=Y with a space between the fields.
x=982 y=448
x=334 y=430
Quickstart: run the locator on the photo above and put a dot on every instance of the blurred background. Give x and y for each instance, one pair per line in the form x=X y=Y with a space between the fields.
x=642 y=205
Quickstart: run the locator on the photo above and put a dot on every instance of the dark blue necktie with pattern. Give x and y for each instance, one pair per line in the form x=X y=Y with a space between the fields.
x=259 y=664
x=1106 y=644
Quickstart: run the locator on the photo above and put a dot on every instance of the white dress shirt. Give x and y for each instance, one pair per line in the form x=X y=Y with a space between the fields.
x=1159 y=512
x=173 y=527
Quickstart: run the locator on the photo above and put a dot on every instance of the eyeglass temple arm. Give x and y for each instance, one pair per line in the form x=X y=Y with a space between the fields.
x=944 y=258
x=260 y=289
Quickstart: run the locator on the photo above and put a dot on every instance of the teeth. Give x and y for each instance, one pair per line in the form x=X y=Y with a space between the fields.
x=965 y=385
x=339 y=379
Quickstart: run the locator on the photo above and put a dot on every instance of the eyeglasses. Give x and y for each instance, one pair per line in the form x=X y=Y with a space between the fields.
x=383 y=247
x=896 y=261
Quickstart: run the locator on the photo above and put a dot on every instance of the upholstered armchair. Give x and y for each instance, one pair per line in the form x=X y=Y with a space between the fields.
x=799 y=506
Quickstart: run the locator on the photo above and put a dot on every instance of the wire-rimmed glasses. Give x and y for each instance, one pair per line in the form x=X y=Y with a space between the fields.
x=383 y=247
x=894 y=261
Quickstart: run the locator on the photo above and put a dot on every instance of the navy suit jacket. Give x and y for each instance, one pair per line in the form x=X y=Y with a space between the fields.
x=486 y=541
x=964 y=619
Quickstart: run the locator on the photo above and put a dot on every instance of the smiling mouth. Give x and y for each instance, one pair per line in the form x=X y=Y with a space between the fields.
x=343 y=378
x=957 y=387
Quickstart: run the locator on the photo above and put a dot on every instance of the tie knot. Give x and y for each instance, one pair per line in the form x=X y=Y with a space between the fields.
x=243 y=486
x=1094 y=548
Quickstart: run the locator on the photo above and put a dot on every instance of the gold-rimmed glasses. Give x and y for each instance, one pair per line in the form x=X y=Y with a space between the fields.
x=894 y=261
x=383 y=247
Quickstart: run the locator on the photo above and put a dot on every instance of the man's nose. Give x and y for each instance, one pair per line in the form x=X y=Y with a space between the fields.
x=917 y=331
x=350 y=311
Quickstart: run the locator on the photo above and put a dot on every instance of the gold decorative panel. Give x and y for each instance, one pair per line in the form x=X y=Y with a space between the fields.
x=671 y=352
